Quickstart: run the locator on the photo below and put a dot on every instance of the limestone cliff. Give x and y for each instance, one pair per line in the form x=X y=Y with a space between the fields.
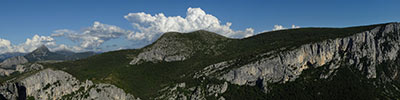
x=8 y=63
x=202 y=65
x=51 y=84
x=376 y=46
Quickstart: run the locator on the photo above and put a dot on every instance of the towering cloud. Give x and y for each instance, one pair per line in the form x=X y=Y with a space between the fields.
x=150 y=27
x=36 y=41
x=147 y=28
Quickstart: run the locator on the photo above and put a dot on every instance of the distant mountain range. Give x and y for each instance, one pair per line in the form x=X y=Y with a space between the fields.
x=353 y=63
x=9 y=55
x=42 y=53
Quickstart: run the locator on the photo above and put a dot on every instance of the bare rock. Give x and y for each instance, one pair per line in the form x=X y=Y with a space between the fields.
x=8 y=63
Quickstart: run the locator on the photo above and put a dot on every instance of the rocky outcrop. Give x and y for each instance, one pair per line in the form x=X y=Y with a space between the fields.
x=5 y=56
x=213 y=69
x=183 y=92
x=377 y=45
x=12 y=65
x=13 y=91
x=364 y=52
x=167 y=48
x=51 y=84
x=6 y=72
x=20 y=69
x=9 y=63
x=175 y=46
x=40 y=51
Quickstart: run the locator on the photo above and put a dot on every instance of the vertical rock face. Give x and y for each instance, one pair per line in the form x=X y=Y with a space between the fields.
x=51 y=84
x=193 y=92
x=374 y=46
x=13 y=91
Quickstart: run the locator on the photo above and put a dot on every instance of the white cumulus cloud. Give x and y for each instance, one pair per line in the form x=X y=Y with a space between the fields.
x=66 y=47
x=5 y=46
x=29 y=45
x=280 y=27
x=294 y=26
x=152 y=26
x=148 y=28
x=34 y=42
x=93 y=36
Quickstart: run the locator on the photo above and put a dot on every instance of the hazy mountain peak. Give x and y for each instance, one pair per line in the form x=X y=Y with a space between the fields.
x=41 y=49
x=43 y=53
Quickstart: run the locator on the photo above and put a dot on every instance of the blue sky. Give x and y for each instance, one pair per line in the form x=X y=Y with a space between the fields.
x=20 y=20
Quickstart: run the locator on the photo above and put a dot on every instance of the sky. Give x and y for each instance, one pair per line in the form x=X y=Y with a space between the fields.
x=105 y=25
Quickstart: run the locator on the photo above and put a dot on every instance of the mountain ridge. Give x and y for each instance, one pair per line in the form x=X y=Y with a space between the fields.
x=19 y=64
x=43 y=53
x=195 y=60
x=264 y=66
x=5 y=56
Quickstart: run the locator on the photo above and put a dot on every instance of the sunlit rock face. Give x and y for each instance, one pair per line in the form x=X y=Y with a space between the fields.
x=20 y=68
x=167 y=48
x=8 y=63
x=373 y=46
x=173 y=46
x=51 y=84
x=364 y=51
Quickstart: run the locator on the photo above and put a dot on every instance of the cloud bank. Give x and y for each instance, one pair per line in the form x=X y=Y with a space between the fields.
x=29 y=45
x=150 y=27
x=146 y=29
x=93 y=36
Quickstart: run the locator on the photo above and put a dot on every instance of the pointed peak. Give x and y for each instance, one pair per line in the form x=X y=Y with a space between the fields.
x=42 y=48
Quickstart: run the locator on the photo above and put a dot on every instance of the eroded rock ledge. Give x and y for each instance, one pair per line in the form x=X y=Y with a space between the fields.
x=55 y=84
x=377 y=45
